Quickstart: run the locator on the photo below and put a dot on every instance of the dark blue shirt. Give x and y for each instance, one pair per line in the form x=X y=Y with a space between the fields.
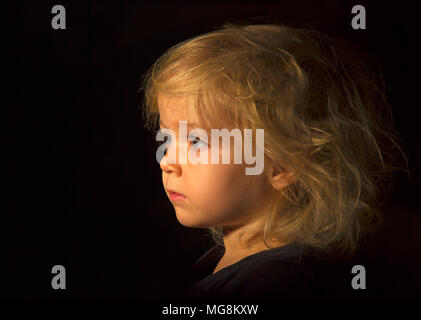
x=288 y=271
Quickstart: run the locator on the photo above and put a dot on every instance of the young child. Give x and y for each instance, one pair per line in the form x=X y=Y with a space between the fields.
x=328 y=149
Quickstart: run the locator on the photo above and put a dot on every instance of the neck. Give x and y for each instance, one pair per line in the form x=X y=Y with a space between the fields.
x=242 y=241
x=245 y=240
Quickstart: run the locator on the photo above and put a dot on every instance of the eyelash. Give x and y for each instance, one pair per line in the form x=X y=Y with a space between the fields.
x=194 y=140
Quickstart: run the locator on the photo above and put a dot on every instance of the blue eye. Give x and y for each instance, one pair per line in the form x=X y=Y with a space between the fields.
x=197 y=141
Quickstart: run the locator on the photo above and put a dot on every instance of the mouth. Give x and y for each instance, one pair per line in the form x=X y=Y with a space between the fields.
x=175 y=196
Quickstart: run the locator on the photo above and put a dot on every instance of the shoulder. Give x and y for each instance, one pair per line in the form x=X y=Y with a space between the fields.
x=270 y=277
x=282 y=273
x=271 y=274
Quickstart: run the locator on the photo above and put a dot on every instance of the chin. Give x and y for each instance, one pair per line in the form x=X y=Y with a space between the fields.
x=190 y=221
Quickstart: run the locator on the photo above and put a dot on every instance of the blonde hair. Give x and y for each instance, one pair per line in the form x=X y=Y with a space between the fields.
x=325 y=119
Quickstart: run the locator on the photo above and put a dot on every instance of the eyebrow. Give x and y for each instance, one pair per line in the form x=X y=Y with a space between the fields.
x=188 y=124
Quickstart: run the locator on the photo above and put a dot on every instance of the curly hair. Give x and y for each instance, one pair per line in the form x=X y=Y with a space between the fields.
x=326 y=118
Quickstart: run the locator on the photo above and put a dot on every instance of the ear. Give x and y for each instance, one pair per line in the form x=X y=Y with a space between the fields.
x=281 y=178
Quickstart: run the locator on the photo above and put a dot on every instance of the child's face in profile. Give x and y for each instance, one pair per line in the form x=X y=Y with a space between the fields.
x=207 y=195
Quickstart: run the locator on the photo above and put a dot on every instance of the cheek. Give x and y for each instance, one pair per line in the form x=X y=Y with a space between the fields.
x=219 y=186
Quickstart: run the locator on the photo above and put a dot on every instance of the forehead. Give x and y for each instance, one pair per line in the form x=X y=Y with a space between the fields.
x=173 y=109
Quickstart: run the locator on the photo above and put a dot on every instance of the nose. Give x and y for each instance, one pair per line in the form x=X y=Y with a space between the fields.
x=169 y=163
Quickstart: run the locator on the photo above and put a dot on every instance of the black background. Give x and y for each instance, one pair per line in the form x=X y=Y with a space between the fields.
x=81 y=185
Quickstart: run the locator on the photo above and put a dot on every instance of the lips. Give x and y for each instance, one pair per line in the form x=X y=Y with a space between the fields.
x=175 y=196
